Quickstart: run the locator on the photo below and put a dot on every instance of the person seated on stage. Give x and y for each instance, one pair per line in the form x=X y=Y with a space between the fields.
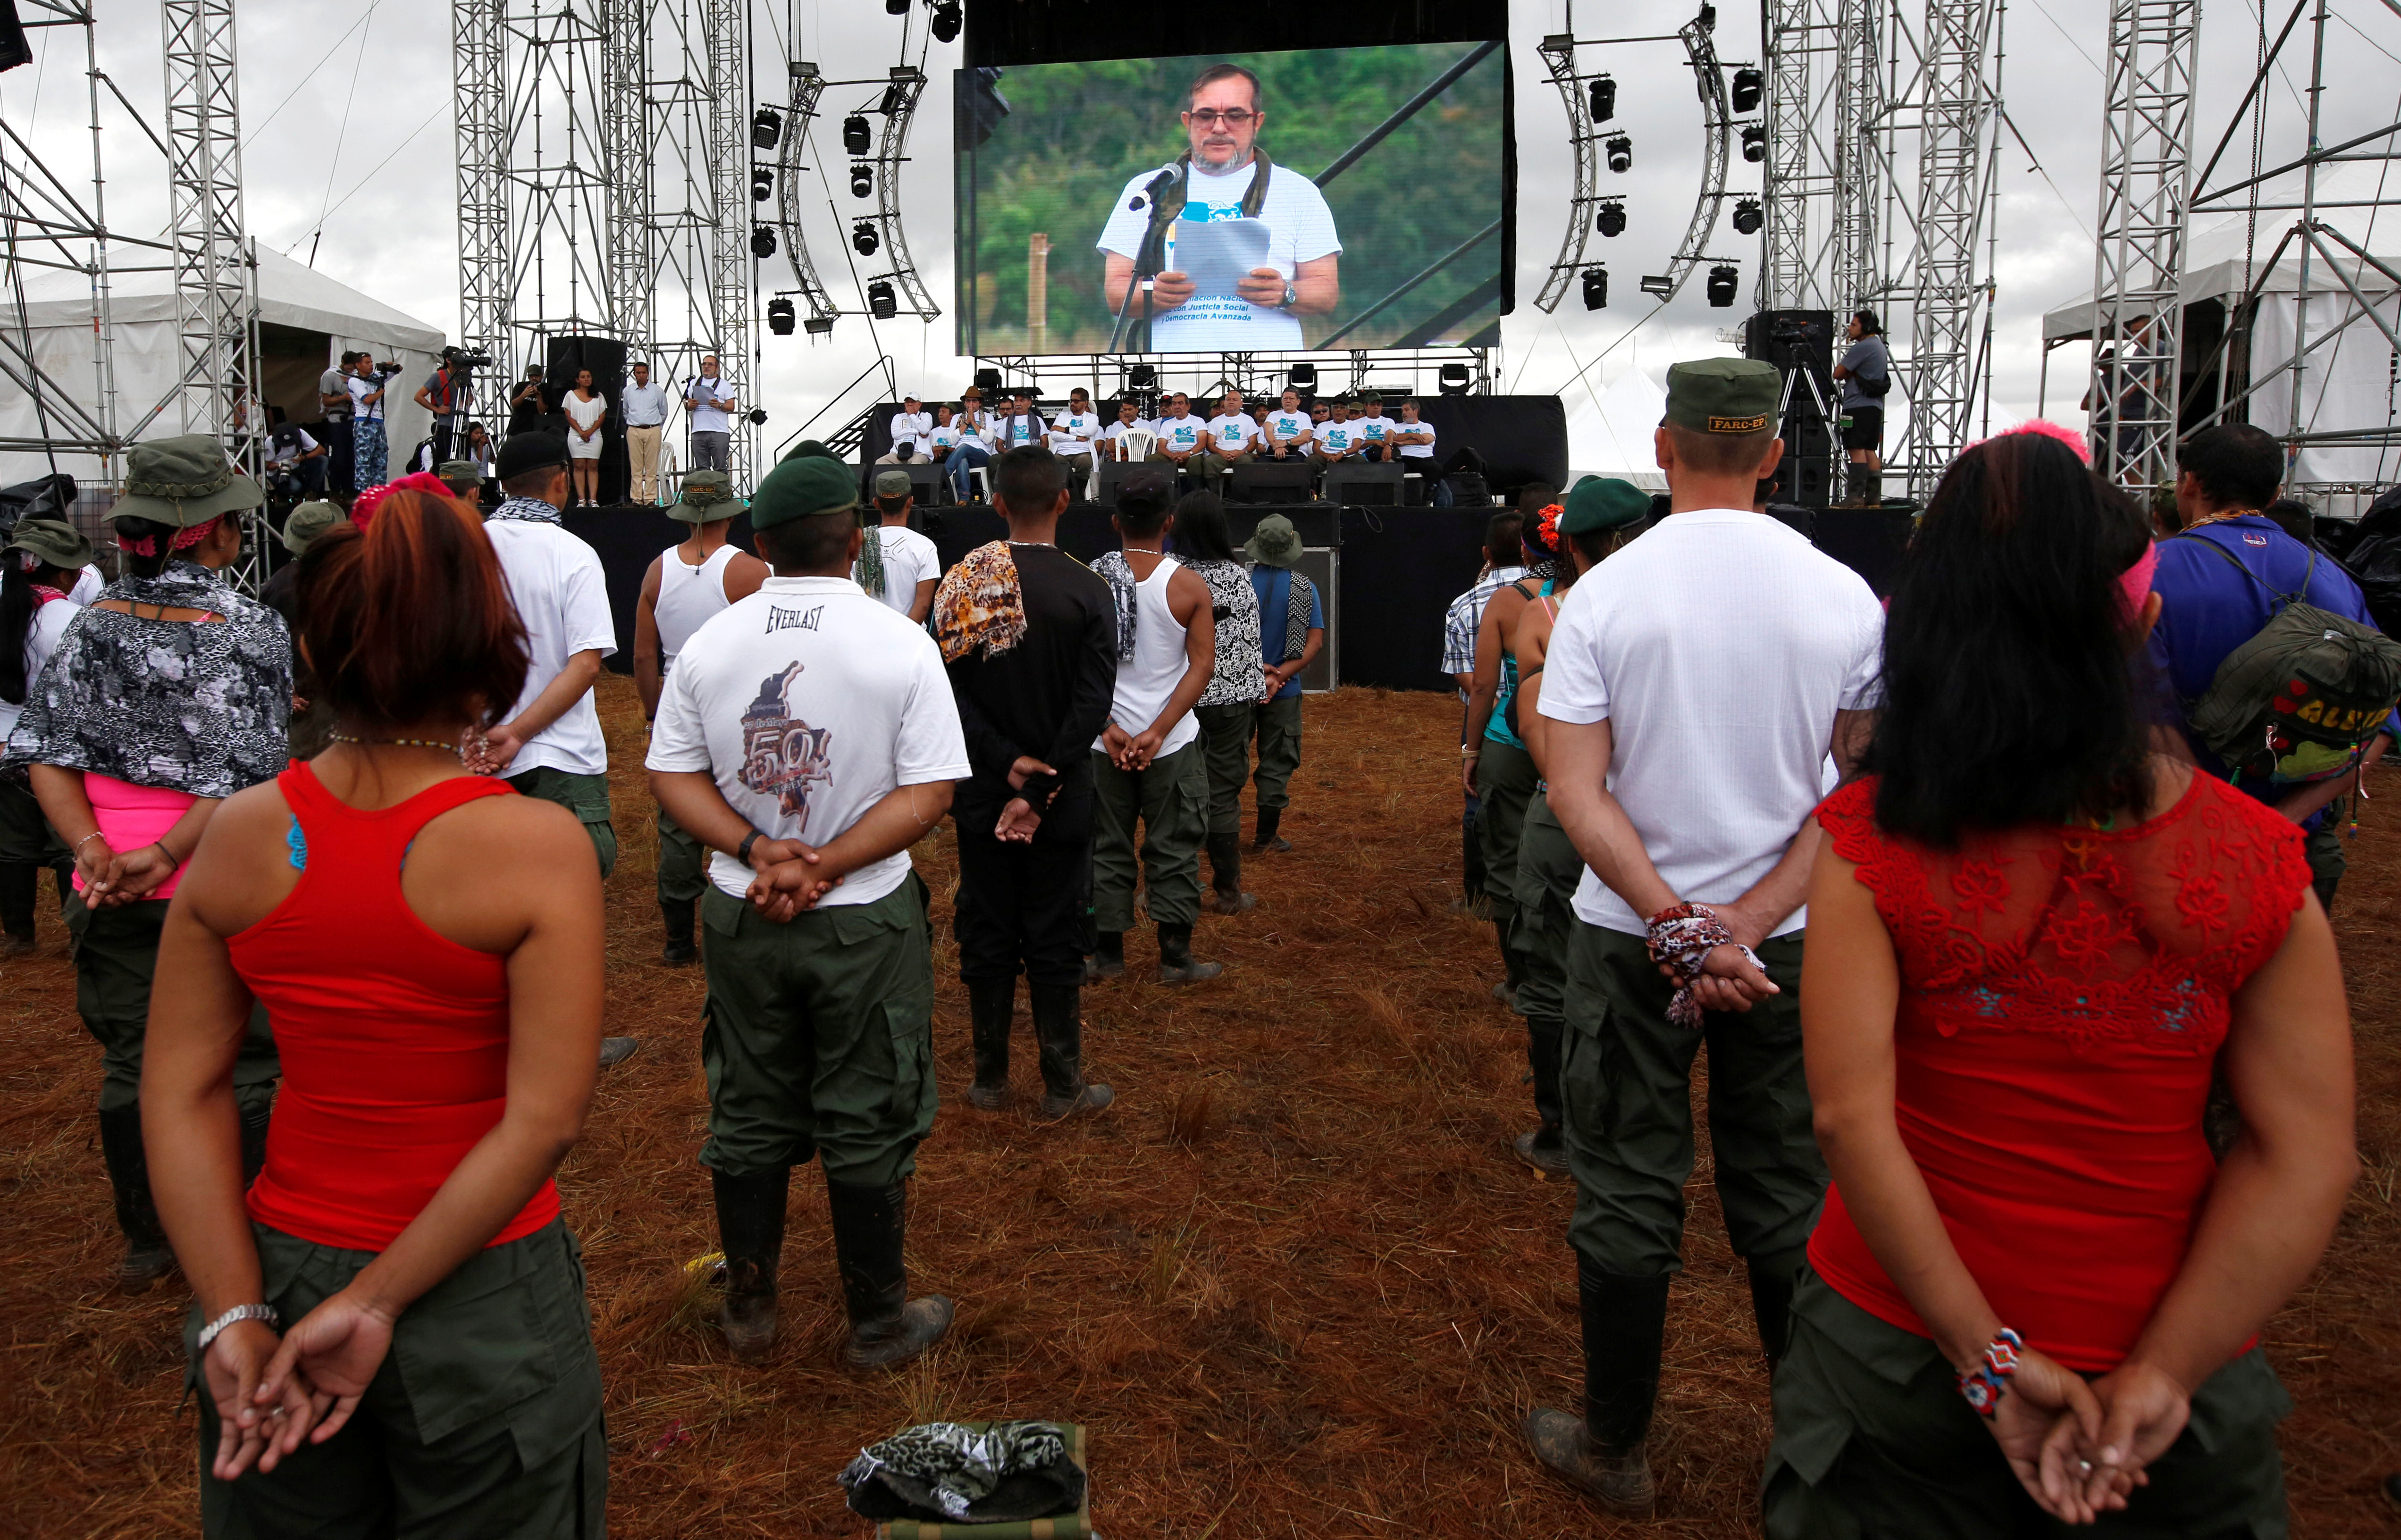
x=1022 y=425
x=1183 y=438
x=1373 y=428
x=1257 y=408
x=1232 y=435
x=1322 y=411
x=1129 y=420
x=1337 y=439
x=1412 y=443
x=1285 y=433
x=910 y=426
x=974 y=447
x=1073 y=432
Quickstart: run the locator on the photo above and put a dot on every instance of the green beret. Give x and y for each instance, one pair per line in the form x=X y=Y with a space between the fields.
x=809 y=449
x=1603 y=502
x=1724 y=395
x=803 y=486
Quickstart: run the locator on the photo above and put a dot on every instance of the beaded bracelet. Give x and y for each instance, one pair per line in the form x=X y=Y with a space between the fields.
x=1984 y=1384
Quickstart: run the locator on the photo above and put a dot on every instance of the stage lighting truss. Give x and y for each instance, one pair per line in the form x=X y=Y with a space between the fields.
x=1708 y=79
x=874 y=171
x=1596 y=288
x=1748 y=215
x=897 y=106
x=863 y=238
x=946 y=21
x=767 y=129
x=1611 y=221
x=1621 y=154
x=808 y=87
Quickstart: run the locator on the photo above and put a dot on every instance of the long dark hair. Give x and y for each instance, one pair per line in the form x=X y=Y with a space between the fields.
x=1200 y=528
x=2013 y=690
x=18 y=604
x=160 y=535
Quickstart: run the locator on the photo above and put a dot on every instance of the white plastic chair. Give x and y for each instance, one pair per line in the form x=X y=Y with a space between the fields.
x=1136 y=444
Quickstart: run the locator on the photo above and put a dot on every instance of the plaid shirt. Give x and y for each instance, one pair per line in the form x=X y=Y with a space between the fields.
x=1466 y=613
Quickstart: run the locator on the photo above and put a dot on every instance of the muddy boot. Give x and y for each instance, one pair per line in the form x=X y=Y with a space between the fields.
x=1771 y=1280
x=1268 y=841
x=1545 y=1148
x=17 y=880
x=1176 y=965
x=147 y=1258
x=680 y=951
x=1225 y=894
x=886 y=1327
x=1624 y=1327
x=1513 y=970
x=991 y=1003
x=750 y=1232
x=1108 y=962
x=1059 y=1026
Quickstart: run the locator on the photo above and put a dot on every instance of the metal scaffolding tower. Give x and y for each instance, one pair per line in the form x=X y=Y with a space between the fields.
x=625 y=159
x=2145 y=184
x=1824 y=93
x=479 y=48
x=214 y=272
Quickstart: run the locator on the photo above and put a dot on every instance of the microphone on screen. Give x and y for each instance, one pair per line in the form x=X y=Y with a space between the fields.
x=1157 y=187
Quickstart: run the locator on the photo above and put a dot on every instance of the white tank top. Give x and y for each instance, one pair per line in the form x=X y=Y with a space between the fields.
x=689 y=595
x=1145 y=682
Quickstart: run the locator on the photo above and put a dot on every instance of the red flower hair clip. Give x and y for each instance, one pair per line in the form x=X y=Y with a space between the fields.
x=1551 y=512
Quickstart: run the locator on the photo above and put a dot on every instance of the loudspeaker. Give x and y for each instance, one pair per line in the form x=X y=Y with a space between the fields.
x=1801 y=345
x=1793 y=339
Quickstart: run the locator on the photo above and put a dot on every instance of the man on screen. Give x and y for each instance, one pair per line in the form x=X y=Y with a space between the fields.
x=1227 y=176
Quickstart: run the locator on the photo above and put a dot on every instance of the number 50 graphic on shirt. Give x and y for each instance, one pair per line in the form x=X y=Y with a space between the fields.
x=781 y=758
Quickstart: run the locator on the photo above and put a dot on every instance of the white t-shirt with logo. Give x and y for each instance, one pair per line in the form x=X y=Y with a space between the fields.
x=1015 y=432
x=1720 y=731
x=1233 y=433
x=562 y=596
x=938 y=441
x=910 y=426
x=1300 y=229
x=976 y=431
x=1289 y=426
x=1181 y=433
x=1337 y=438
x=1374 y=430
x=1417 y=450
x=808 y=702
x=909 y=559
x=1073 y=432
x=705 y=398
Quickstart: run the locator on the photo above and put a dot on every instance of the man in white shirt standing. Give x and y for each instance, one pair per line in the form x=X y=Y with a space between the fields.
x=808 y=737
x=1288 y=434
x=368 y=449
x=1693 y=685
x=1225 y=176
x=645 y=408
x=906 y=565
x=711 y=402
x=1073 y=433
x=1232 y=435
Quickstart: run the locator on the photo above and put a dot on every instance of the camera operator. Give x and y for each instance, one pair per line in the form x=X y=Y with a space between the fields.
x=447 y=393
x=529 y=404
x=295 y=463
x=333 y=401
x=369 y=450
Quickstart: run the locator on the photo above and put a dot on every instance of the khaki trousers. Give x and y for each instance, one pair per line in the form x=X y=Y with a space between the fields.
x=642 y=460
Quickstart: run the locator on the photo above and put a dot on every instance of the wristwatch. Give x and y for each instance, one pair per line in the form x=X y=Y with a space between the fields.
x=1291 y=297
x=742 y=852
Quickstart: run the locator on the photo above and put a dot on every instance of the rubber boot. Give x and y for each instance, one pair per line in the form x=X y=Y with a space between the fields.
x=750 y=1232
x=886 y=1327
x=147 y=1258
x=991 y=1003
x=1545 y=1148
x=1772 y=1281
x=1602 y=1453
x=18 y=880
x=680 y=951
x=1225 y=894
x=1059 y=1028
x=1268 y=839
x=1513 y=971
x=1176 y=965
x=1108 y=960
x=1873 y=497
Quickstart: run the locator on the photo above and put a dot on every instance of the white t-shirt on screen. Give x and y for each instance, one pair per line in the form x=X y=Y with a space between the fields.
x=1233 y=433
x=1300 y=229
x=808 y=702
x=562 y=596
x=909 y=559
x=1718 y=646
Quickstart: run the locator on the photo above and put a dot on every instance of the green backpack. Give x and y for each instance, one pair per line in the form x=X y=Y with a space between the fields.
x=2295 y=702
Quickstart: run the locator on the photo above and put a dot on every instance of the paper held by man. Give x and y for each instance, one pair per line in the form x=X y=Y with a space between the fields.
x=1217 y=254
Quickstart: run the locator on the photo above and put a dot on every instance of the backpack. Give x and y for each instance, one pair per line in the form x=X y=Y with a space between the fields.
x=2295 y=702
x=1879 y=384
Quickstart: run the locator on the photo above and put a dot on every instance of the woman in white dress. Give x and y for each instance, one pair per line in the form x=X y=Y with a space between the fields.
x=585 y=408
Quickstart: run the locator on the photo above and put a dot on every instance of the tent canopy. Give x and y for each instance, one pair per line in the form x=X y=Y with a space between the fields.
x=1612 y=436
x=289 y=295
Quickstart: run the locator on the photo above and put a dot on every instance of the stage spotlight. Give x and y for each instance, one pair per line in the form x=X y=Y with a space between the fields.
x=1621 y=153
x=1604 y=99
x=1747 y=88
x=818 y=326
x=862 y=181
x=757 y=414
x=854 y=135
x=1304 y=376
x=880 y=303
x=1596 y=288
x=1748 y=216
x=896 y=7
x=1754 y=142
x=767 y=129
x=1611 y=221
x=1723 y=280
x=863 y=238
x=1454 y=380
x=763 y=184
x=1709 y=17
x=1657 y=285
x=762 y=241
x=1142 y=376
x=946 y=20
x=988 y=380
x=779 y=317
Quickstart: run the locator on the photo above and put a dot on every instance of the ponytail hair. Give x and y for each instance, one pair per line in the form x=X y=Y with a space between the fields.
x=409 y=620
x=144 y=545
x=20 y=570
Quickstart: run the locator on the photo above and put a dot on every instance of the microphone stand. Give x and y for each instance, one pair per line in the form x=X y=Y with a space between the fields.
x=1146 y=262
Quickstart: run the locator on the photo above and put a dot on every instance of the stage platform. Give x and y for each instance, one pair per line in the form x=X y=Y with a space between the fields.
x=1387 y=574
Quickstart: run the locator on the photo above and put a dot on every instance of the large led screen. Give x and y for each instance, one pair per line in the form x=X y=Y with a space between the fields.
x=1332 y=197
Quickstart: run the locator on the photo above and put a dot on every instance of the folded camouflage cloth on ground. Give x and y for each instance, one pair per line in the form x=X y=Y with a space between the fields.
x=967 y=1473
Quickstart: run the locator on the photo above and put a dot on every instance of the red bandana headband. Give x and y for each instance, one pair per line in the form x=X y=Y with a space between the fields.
x=183 y=540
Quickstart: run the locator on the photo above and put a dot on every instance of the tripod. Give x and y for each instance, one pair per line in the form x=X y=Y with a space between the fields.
x=1794 y=426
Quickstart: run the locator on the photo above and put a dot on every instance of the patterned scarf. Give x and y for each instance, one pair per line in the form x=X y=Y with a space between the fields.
x=527 y=511
x=1681 y=937
x=1119 y=577
x=1297 y=604
x=868 y=571
x=979 y=606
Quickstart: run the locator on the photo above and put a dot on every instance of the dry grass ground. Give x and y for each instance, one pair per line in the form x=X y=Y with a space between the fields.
x=1293 y=1281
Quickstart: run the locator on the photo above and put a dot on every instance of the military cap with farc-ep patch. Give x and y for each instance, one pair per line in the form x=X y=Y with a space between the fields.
x=1729 y=396
x=536 y=450
x=1603 y=502
x=800 y=488
x=459 y=471
x=706 y=497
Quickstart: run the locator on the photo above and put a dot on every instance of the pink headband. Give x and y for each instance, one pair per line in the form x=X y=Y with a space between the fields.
x=2044 y=428
x=363 y=507
x=183 y=540
x=2134 y=583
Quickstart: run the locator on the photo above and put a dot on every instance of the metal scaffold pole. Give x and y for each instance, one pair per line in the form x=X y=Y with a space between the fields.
x=480 y=82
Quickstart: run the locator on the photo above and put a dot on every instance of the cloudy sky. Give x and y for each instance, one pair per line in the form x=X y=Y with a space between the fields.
x=348 y=163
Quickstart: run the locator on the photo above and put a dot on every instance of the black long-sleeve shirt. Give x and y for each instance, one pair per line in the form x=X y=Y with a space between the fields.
x=1049 y=696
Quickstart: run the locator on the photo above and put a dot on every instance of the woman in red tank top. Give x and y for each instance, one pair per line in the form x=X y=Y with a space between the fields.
x=2035 y=1295
x=440 y=1032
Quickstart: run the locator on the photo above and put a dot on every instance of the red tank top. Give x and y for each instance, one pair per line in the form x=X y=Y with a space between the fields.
x=395 y=1041
x=2064 y=993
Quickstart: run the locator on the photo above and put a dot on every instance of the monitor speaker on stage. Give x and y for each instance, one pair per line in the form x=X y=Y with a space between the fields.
x=1801 y=345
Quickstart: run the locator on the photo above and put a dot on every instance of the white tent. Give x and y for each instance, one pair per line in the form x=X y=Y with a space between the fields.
x=307 y=321
x=1611 y=437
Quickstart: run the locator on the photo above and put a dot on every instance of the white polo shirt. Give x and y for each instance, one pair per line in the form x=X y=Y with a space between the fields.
x=807 y=703
x=1718 y=646
x=562 y=596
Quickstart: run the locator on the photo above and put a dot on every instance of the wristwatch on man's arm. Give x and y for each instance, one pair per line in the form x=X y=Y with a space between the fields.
x=1291 y=296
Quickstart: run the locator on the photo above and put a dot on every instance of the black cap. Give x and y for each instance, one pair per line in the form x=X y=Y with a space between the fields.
x=534 y=451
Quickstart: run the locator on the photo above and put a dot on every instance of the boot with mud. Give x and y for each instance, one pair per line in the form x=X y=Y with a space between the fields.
x=1059 y=1028
x=991 y=1003
x=147 y=1256
x=750 y=1232
x=1109 y=961
x=1602 y=1453
x=1225 y=894
x=1267 y=841
x=871 y=1223
x=1176 y=965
